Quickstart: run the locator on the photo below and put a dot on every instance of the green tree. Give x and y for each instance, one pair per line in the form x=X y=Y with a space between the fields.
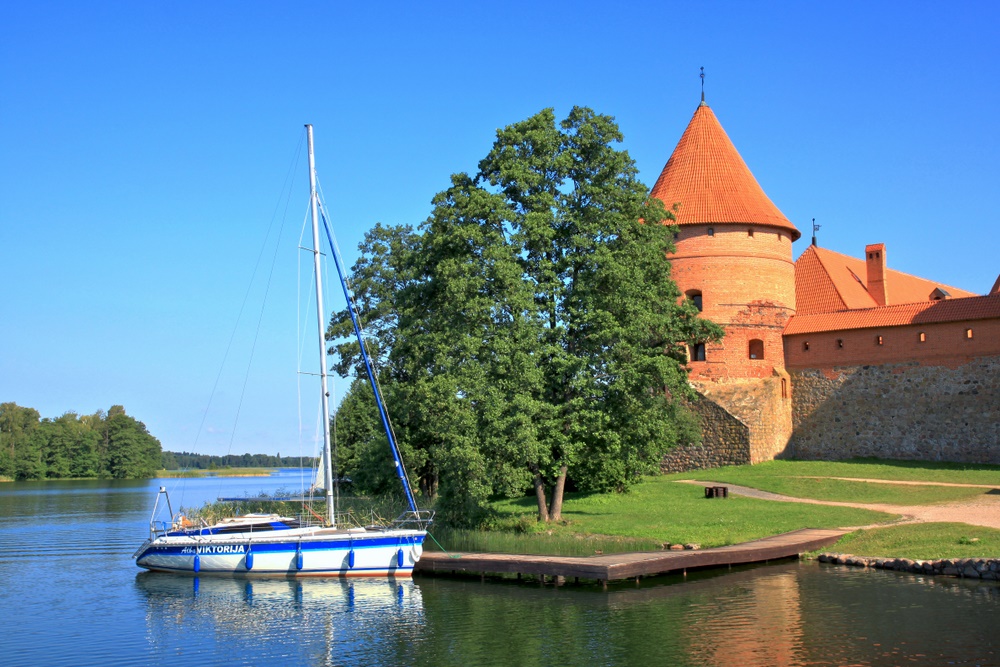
x=131 y=451
x=20 y=449
x=530 y=333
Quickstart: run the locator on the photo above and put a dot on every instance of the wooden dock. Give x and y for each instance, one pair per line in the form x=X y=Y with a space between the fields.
x=611 y=567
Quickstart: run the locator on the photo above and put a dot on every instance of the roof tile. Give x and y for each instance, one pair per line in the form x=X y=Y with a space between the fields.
x=827 y=281
x=711 y=182
x=927 y=312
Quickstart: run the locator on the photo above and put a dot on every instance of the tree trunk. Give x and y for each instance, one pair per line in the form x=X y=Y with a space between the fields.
x=555 y=514
x=543 y=508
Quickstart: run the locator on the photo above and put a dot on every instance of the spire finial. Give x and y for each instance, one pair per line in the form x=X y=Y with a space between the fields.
x=702 y=75
x=815 y=229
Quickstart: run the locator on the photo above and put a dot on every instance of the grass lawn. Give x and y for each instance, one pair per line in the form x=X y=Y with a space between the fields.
x=799 y=479
x=661 y=510
x=926 y=541
x=906 y=471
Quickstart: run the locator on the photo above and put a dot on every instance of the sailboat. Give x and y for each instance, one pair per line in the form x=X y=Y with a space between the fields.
x=272 y=545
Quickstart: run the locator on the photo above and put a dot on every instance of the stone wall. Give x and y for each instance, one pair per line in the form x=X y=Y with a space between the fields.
x=762 y=405
x=967 y=568
x=898 y=411
x=725 y=441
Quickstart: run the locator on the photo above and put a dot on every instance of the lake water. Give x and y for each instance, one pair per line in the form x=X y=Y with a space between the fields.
x=70 y=594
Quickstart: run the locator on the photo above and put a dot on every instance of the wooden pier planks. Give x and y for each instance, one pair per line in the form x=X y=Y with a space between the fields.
x=630 y=565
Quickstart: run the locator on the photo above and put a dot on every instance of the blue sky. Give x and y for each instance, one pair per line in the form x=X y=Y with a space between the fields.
x=144 y=147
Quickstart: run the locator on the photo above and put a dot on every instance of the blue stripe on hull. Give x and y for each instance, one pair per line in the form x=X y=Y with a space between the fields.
x=356 y=572
x=375 y=556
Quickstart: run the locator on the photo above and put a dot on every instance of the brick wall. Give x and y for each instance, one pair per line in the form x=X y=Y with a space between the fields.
x=747 y=283
x=944 y=343
x=911 y=410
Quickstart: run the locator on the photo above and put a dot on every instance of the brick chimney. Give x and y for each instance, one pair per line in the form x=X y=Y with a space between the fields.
x=875 y=261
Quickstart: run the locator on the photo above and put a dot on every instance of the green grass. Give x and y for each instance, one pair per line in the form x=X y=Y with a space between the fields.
x=906 y=471
x=561 y=544
x=661 y=510
x=798 y=478
x=925 y=541
x=845 y=491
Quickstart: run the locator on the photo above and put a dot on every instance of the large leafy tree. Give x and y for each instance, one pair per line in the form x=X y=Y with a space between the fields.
x=530 y=333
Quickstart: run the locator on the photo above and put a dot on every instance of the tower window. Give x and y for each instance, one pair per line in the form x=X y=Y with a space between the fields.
x=694 y=296
x=756 y=349
x=879 y=340
x=923 y=337
x=805 y=346
x=711 y=231
x=750 y=232
x=968 y=333
x=840 y=342
x=697 y=352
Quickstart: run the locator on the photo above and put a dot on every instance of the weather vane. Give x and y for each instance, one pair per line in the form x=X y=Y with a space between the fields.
x=815 y=229
x=702 y=75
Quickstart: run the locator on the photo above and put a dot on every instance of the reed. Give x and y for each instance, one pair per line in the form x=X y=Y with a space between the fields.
x=219 y=472
x=352 y=511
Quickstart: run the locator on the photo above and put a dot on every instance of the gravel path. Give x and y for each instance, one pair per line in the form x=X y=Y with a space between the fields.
x=982 y=510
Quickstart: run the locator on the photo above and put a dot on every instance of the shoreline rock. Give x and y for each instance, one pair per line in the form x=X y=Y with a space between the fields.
x=965 y=568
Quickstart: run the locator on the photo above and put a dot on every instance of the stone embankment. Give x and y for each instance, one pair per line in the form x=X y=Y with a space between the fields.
x=968 y=568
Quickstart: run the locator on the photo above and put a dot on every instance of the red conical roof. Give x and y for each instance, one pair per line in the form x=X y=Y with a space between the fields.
x=711 y=182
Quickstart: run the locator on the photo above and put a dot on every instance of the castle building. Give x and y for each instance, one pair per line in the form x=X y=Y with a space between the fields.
x=827 y=356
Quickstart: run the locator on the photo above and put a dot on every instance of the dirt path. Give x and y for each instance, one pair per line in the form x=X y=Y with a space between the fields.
x=900 y=481
x=982 y=510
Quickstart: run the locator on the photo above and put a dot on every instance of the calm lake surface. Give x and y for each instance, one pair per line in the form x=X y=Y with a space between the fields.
x=70 y=594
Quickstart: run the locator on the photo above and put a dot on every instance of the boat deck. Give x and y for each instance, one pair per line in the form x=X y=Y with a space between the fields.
x=611 y=567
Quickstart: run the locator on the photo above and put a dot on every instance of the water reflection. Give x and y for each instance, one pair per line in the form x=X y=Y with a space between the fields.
x=307 y=621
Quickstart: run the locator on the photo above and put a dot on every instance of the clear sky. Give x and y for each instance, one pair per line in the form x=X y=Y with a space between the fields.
x=144 y=147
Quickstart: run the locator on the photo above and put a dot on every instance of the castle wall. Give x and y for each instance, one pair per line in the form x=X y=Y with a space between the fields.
x=763 y=405
x=908 y=410
x=945 y=343
x=725 y=441
x=746 y=278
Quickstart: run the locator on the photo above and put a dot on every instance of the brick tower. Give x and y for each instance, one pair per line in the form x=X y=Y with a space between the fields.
x=734 y=260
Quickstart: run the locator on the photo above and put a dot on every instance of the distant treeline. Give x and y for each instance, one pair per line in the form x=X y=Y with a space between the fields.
x=105 y=444
x=191 y=461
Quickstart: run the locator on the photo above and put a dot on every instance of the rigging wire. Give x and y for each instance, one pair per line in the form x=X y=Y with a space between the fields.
x=284 y=193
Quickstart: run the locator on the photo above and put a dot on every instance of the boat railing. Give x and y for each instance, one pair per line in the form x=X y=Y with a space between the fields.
x=159 y=527
x=414 y=520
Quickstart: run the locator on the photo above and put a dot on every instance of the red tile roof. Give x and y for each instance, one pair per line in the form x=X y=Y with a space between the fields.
x=827 y=281
x=949 y=310
x=711 y=182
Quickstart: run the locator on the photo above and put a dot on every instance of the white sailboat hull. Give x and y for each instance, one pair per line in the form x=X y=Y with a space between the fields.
x=298 y=552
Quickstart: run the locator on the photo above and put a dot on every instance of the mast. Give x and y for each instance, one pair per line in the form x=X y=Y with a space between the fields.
x=320 y=320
